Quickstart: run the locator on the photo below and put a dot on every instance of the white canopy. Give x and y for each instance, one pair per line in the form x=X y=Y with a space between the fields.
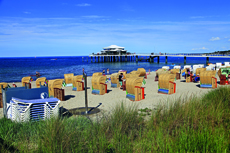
x=113 y=46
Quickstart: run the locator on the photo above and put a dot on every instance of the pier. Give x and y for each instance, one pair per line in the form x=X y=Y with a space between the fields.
x=148 y=57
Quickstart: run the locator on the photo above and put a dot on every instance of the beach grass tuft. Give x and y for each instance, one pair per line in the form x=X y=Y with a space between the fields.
x=195 y=124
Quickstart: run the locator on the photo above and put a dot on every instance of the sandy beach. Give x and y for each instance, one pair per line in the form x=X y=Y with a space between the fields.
x=76 y=99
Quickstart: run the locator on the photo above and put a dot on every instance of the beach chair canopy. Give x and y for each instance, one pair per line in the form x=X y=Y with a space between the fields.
x=134 y=72
x=132 y=82
x=165 y=67
x=142 y=71
x=97 y=74
x=162 y=71
x=114 y=78
x=40 y=80
x=97 y=80
x=174 y=71
x=206 y=77
x=57 y=83
x=4 y=84
x=68 y=78
x=177 y=67
x=198 y=70
x=77 y=78
x=164 y=80
x=218 y=65
x=226 y=64
x=25 y=80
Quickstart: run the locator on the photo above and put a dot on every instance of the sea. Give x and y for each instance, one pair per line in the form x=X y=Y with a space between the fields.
x=13 y=69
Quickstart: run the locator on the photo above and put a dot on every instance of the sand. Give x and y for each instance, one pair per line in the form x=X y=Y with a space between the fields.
x=76 y=99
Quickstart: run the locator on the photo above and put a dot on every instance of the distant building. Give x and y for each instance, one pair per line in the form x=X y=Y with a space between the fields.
x=114 y=50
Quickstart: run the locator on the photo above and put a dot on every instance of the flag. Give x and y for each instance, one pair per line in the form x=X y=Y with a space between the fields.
x=126 y=92
x=144 y=82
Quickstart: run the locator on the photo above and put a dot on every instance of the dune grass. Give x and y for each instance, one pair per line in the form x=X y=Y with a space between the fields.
x=192 y=125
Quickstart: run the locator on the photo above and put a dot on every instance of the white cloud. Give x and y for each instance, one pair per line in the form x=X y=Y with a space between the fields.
x=201 y=17
x=197 y=17
x=93 y=16
x=202 y=48
x=228 y=39
x=27 y=12
x=214 y=38
x=83 y=4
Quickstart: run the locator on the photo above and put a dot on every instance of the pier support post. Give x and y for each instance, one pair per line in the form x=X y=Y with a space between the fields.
x=158 y=59
x=136 y=58
x=150 y=59
x=120 y=58
x=207 y=60
x=91 y=59
x=125 y=58
x=114 y=59
x=184 y=59
x=95 y=59
x=99 y=59
x=166 y=59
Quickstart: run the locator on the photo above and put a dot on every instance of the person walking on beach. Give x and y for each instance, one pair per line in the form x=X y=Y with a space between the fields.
x=103 y=72
x=107 y=71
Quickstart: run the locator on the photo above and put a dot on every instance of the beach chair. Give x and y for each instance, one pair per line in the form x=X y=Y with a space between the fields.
x=142 y=72
x=207 y=79
x=78 y=84
x=4 y=85
x=134 y=91
x=55 y=89
x=26 y=81
x=115 y=80
x=68 y=78
x=176 y=72
x=223 y=71
x=177 y=67
x=40 y=81
x=166 y=84
x=161 y=71
x=99 y=87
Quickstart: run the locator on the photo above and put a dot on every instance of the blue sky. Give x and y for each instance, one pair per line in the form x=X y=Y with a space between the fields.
x=80 y=27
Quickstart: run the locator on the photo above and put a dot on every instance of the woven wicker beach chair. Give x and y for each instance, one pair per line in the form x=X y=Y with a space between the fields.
x=99 y=87
x=134 y=90
x=78 y=84
x=207 y=79
x=40 y=81
x=166 y=84
x=26 y=80
x=68 y=78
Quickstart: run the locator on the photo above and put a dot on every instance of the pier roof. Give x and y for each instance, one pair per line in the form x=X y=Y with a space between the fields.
x=113 y=46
